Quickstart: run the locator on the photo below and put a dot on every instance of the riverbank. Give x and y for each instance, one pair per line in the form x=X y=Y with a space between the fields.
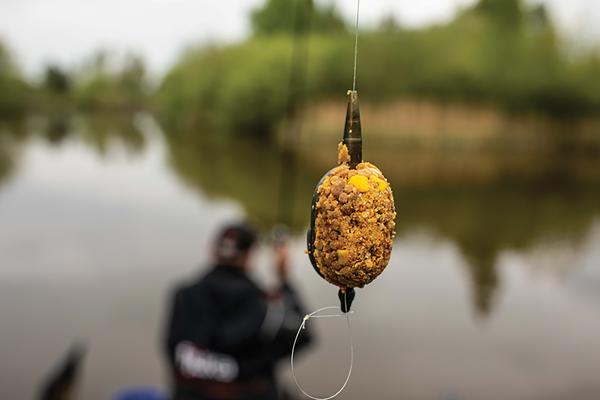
x=453 y=126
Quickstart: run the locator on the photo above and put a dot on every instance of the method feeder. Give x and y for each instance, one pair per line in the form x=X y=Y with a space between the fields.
x=353 y=140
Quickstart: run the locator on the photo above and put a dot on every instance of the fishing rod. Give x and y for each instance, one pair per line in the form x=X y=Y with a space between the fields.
x=303 y=12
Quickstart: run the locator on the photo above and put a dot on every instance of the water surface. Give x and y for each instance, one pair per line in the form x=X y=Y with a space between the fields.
x=493 y=291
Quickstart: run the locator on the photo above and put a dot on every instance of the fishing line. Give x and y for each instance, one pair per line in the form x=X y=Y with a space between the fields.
x=315 y=314
x=356 y=45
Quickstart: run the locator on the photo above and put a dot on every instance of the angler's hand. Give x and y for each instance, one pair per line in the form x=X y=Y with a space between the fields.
x=282 y=263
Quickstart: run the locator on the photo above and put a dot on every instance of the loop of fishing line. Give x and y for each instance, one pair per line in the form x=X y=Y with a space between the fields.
x=315 y=314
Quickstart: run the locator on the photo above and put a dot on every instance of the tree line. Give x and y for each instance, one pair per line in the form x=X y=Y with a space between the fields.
x=500 y=53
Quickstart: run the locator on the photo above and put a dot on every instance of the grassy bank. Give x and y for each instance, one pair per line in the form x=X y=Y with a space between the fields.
x=431 y=125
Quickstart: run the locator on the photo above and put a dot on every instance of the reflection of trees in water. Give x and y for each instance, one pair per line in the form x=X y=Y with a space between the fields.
x=484 y=217
x=102 y=133
x=56 y=128
x=6 y=162
x=246 y=171
x=11 y=137
x=6 y=159
x=484 y=220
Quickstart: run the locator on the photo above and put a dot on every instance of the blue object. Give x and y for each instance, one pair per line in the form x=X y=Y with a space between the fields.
x=141 y=393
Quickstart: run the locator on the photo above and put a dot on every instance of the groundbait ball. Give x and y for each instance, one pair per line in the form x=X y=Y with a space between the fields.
x=354 y=224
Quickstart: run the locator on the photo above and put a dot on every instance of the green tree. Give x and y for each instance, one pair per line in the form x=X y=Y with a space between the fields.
x=132 y=78
x=13 y=91
x=7 y=65
x=103 y=86
x=300 y=16
x=506 y=13
x=56 y=80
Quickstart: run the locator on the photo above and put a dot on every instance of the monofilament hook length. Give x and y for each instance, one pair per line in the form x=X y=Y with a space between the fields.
x=316 y=314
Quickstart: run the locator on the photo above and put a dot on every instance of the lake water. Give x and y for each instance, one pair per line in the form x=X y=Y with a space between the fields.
x=493 y=291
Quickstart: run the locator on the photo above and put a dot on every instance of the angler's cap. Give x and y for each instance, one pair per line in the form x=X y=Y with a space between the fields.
x=234 y=240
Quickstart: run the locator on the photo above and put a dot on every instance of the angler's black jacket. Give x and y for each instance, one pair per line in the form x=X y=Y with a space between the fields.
x=224 y=337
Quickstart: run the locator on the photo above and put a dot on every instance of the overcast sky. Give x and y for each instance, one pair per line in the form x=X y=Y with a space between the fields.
x=65 y=31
